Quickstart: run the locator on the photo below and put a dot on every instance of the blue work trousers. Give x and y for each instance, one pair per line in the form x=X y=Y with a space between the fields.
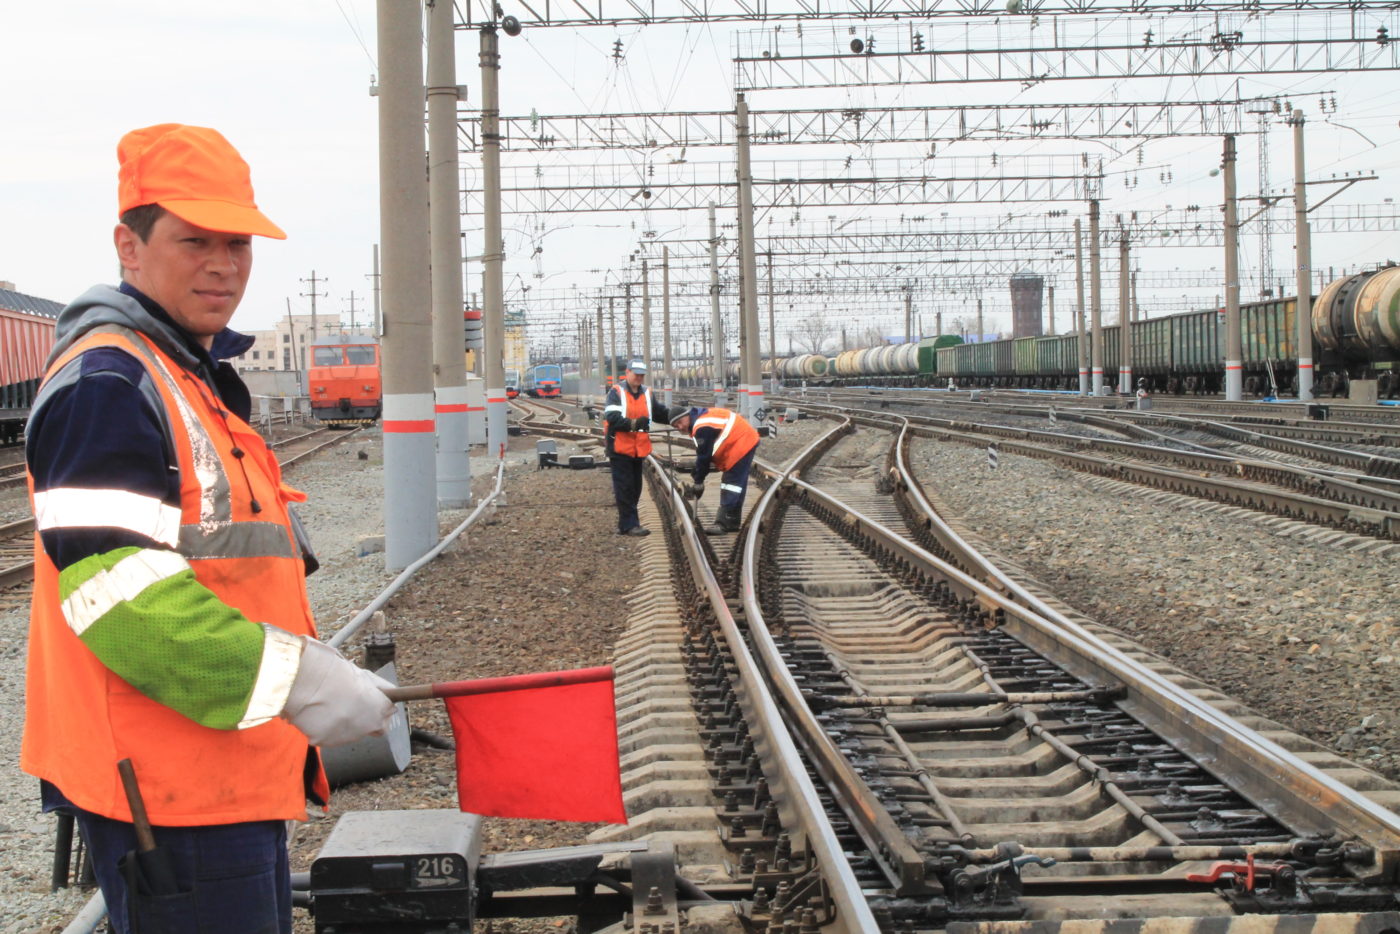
x=627 y=489
x=231 y=878
x=734 y=483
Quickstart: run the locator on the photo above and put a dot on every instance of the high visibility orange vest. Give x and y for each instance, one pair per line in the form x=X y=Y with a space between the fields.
x=633 y=443
x=736 y=436
x=82 y=719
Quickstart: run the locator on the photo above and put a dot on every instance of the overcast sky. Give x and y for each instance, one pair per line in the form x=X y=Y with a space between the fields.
x=287 y=83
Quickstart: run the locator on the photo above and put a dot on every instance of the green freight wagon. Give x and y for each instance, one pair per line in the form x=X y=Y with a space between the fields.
x=1025 y=360
x=929 y=353
x=1059 y=360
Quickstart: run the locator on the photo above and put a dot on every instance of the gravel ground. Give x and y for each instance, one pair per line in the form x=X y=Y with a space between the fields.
x=1307 y=634
x=537 y=588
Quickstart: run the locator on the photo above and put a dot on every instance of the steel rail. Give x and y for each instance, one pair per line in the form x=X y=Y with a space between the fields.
x=17 y=573
x=297 y=458
x=1280 y=783
x=1353 y=505
x=899 y=860
x=790 y=781
x=12 y=475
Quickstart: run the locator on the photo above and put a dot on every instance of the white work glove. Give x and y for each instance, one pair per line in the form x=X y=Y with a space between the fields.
x=333 y=700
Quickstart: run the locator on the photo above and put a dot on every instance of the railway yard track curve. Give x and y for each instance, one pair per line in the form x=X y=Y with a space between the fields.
x=848 y=716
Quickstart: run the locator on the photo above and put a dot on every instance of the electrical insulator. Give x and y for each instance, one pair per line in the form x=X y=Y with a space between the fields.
x=918 y=42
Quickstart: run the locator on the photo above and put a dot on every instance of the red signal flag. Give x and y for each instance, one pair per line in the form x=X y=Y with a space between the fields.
x=540 y=746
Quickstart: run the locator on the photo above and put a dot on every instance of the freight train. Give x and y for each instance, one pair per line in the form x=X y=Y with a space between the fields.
x=1355 y=335
x=26 y=337
x=343 y=380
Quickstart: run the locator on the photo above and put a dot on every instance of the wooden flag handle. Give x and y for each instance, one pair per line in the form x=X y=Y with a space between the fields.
x=542 y=679
x=145 y=840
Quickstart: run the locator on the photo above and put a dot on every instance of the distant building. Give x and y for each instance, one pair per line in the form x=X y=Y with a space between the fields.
x=1027 y=298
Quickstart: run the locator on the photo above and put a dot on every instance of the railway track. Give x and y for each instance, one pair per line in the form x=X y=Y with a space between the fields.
x=981 y=757
x=1348 y=500
x=17 y=538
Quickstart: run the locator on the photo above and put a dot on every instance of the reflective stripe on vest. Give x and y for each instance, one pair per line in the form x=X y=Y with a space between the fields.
x=732 y=431
x=71 y=508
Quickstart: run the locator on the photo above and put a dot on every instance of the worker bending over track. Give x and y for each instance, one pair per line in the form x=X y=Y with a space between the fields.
x=724 y=441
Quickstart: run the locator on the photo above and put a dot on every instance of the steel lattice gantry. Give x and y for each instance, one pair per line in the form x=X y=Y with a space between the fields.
x=1073 y=48
x=864 y=182
x=575 y=13
x=642 y=132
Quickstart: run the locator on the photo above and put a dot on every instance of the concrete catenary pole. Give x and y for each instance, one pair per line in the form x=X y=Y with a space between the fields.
x=410 y=508
x=668 y=372
x=374 y=275
x=627 y=316
x=1125 y=317
x=1079 y=308
x=585 y=356
x=646 y=321
x=981 y=331
x=599 y=354
x=908 y=315
x=454 y=478
x=1234 y=340
x=612 y=343
x=1303 y=232
x=772 y=331
x=493 y=256
x=1095 y=306
x=1050 y=310
x=751 y=378
x=716 y=325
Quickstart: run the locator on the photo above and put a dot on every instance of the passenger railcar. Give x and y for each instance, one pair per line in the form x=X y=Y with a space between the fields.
x=512 y=383
x=543 y=381
x=26 y=337
x=343 y=380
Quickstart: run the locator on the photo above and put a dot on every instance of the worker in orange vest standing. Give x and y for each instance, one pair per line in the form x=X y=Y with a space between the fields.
x=629 y=411
x=170 y=623
x=724 y=441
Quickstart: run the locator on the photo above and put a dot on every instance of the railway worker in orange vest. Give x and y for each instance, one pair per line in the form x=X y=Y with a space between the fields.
x=724 y=441
x=170 y=622
x=629 y=411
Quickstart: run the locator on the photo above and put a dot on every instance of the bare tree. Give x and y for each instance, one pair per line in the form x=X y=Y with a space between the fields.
x=870 y=337
x=812 y=333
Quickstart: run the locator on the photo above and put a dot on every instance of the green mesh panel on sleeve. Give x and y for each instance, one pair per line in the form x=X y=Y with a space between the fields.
x=174 y=641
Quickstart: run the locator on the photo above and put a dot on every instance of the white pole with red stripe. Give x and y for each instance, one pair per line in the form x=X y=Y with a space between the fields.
x=410 y=507
x=454 y=478
x=493 y=256
x=1234 y=339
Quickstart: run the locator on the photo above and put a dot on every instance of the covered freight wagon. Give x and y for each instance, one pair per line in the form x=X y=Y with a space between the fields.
x=26 y=337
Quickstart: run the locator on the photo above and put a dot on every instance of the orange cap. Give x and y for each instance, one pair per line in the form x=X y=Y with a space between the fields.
x=195 y=174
